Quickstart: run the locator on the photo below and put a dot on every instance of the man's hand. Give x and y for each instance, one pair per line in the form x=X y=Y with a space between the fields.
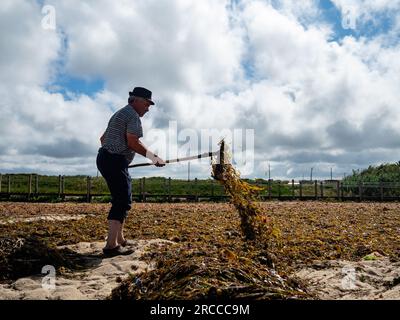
x=158 y=162
x=136 y=145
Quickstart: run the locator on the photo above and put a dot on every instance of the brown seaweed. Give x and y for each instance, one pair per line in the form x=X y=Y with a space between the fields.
x=208 y=238
x=255 y=224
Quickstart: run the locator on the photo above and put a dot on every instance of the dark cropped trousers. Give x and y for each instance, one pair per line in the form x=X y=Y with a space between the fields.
x=114 y=169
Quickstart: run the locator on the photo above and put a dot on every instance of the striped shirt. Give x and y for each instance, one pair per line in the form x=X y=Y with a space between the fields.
x=125 y=120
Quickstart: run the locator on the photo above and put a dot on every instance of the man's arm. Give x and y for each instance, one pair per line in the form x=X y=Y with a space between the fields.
x=136 y=145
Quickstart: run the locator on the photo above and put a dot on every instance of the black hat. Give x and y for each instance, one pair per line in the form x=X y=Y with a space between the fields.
x=143 y=93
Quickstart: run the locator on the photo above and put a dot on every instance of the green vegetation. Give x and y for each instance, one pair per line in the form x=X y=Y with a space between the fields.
x=385 y=173
x=375 y=181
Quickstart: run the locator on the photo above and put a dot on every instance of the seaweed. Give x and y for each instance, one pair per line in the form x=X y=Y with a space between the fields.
x=255 y=224
x=20 y=257
x=189 y=274
x=208 y=242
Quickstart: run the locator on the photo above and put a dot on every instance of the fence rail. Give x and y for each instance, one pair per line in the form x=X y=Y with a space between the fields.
x=61 y=188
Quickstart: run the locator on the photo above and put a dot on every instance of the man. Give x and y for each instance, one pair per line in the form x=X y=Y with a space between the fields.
x=119 y=143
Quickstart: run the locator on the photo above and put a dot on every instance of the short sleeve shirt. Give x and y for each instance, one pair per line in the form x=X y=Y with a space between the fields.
x=125 y=120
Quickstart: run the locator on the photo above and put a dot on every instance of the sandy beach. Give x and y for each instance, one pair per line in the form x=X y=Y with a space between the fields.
x=95 y=283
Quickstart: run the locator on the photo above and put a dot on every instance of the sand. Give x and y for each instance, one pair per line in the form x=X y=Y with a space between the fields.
x=94 y=283
x=49 y=217
x=376 y=279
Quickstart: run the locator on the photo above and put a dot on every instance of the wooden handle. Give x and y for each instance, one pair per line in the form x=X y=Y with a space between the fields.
x=199 y=156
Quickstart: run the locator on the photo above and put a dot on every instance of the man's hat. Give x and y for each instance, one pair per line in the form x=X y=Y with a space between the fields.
x=143 y=93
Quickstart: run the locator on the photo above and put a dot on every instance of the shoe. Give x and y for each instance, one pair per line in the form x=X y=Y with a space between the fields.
x=117 y=251
x=126 y=243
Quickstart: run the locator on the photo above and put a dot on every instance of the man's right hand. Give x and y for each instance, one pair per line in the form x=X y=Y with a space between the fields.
x=158 y=162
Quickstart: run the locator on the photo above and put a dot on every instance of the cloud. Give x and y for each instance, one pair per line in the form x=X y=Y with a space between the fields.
x=271 y=66
x=26 y=48
x=306 y=11
x=165 y=45
x=68 y=148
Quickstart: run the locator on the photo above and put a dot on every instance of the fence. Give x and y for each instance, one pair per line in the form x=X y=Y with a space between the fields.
x=86 y=188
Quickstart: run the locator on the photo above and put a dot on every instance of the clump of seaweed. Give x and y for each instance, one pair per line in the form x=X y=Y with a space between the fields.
x=190 y=274
x=255 y=224
x=21 y=257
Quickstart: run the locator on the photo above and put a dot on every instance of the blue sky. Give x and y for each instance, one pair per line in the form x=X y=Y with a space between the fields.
x=333 y=15
x=66 y=84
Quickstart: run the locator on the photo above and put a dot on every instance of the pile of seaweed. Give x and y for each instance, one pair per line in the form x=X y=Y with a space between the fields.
x=187 y=273
x=26 y=247
x=20 y=257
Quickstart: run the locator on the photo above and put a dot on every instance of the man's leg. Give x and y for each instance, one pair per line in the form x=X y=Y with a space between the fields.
x=115 y=175
x=120 y=237
x=127 y=201
x=114 y=227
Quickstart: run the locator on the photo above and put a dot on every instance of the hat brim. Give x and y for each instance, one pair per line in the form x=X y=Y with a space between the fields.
x=151 y=102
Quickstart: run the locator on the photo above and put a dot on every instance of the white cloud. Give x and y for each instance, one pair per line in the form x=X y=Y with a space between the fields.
x=26 y=48
x=304 y=10
x=310 y=100
x=166 y=45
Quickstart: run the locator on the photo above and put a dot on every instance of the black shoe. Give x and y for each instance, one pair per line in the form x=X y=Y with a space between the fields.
x=117 y=251
x=127 y=243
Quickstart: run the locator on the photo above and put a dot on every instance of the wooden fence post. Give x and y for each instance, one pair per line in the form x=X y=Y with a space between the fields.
x=322 y=189
x=88 y=188
x=360 y=191
x=338 y=190
x=301 y=189
x=37 y=185
x=293 y=189
x=63 y=187
x=341 y=191
x=9 y=184
x=188 y=189
x=279 y=189
x=59 y=186
x=30 y=186
x=269 y=189
x=165 y=189
x=169 y=190
x=144 y=189
x=140 y=190
x=316 y=189
x=381 y=190
x=196 y=195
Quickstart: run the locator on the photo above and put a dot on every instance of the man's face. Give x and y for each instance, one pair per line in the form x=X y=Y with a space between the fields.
x=141 y=106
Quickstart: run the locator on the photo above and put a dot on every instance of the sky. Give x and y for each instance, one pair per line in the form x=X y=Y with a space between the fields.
x=291 y=85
